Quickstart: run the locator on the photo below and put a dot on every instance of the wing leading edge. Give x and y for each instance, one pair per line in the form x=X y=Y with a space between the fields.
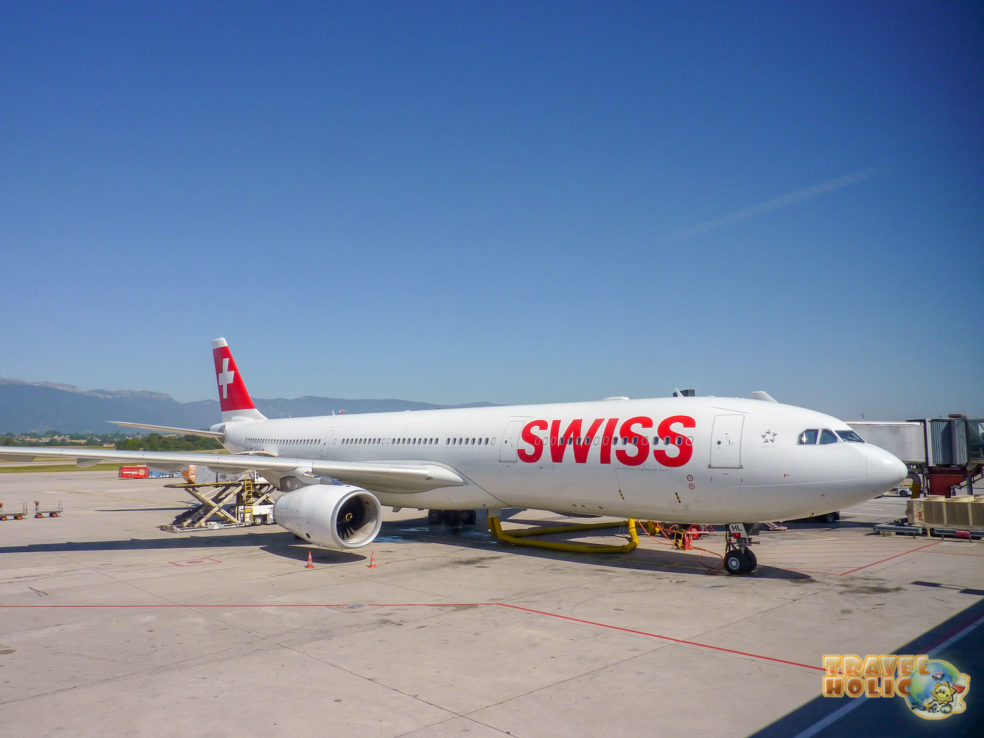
x=379 y=476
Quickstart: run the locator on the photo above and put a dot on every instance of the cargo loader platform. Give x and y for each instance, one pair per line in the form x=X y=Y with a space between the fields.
x=224 y=505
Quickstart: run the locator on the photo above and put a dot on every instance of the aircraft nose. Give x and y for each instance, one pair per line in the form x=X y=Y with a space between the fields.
x=884 y=470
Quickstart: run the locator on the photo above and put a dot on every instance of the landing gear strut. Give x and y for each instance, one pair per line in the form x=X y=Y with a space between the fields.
x=738 y=557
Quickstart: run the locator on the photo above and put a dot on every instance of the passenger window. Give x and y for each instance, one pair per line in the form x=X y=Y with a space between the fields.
x=808 y=437
x=827 y=436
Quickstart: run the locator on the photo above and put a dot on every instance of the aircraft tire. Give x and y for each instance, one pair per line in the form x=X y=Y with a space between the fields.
x=434 y=517
x=469 y=517
x=752 y=561
x=735 y=562
x=452 y=518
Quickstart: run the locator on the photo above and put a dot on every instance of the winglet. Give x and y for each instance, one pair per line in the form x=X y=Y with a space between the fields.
x=234 y=399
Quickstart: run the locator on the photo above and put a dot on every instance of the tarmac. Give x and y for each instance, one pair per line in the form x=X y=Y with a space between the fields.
x=110 y=626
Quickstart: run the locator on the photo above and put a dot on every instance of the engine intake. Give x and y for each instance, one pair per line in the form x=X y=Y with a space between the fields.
x=329 y=515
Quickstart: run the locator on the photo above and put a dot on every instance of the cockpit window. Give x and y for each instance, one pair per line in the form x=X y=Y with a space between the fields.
x=850 y=436
x=827 y=436
x=808 y=437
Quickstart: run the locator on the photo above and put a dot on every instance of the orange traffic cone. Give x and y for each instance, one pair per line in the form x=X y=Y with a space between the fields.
x=372 y=560
x=310 y=563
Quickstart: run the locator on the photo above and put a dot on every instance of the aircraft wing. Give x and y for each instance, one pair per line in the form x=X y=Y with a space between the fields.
x=380 y=476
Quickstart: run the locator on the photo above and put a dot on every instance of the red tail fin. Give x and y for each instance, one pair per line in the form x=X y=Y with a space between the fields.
x=234 y=400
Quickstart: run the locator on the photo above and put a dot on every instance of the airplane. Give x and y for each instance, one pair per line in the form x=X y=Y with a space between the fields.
x=737 y=462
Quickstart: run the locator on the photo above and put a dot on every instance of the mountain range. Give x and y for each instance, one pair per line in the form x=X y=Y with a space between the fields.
x=37 y=407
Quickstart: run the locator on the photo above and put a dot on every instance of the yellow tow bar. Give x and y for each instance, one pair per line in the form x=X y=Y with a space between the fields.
x=520 y=537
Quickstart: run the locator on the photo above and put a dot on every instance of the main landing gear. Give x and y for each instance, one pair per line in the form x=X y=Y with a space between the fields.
x=738 y=557
x=452 y=518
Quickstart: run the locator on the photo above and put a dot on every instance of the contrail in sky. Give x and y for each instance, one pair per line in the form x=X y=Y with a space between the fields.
x=767 y=207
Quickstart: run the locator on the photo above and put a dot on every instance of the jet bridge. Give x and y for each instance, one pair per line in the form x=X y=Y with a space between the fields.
x=945 y=455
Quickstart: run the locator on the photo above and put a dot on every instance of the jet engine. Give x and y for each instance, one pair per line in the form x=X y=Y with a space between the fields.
x=330 y=515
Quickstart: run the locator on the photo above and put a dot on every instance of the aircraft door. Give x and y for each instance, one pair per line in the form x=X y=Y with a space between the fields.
x=726 y=441
x=327 y=441
x=510 y=439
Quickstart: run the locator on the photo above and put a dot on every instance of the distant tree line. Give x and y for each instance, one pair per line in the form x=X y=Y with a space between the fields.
x=159 y=442
x=150 y=442
x=58 y=438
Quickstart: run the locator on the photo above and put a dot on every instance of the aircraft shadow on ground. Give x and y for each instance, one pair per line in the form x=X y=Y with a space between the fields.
x=277 y=542
x=817 y=525
x=283 y=543
x=177 y=542
x=664 y=559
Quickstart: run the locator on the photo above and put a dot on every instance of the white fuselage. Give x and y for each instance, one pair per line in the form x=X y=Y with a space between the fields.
x=694 y=459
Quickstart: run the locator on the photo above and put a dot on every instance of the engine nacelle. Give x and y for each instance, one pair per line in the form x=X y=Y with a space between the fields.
x=330 y=515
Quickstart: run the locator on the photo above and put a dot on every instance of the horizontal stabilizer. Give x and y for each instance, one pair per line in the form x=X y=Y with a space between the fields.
x=170 y=429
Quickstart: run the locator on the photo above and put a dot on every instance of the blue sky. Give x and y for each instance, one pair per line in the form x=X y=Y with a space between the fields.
x=508 y=201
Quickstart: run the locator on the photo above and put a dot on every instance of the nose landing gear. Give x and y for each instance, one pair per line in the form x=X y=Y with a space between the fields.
x=738 y=557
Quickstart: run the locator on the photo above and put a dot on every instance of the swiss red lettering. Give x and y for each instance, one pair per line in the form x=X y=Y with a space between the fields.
x=633 y=451
x=606 y=441
x=685 y=450
x=531 y=457
x=638 y=450
x=572 y=437
x=581 y=449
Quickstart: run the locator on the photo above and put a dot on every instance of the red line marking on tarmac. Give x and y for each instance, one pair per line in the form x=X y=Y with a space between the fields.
x=875 y=563
x=680 y=641
x=904 y=553
x=663 y=637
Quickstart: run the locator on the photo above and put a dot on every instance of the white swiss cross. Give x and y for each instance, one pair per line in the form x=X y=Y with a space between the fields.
x=225 y=379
